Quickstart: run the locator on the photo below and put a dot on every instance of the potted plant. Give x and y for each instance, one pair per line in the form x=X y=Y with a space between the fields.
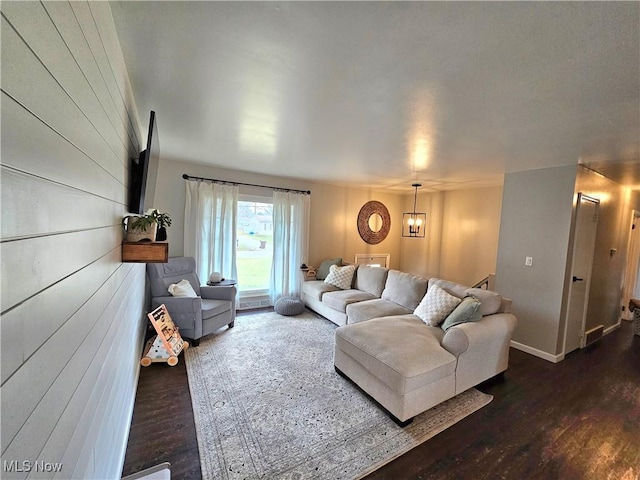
x=163 y=220
x=140 y=227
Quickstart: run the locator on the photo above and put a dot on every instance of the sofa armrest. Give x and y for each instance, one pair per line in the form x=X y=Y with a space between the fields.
x=225 y=292
x=482 y=348
x=488 y=335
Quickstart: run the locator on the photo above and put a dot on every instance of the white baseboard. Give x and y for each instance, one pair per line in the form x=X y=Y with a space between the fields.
x=550 y=357
x=611 y=328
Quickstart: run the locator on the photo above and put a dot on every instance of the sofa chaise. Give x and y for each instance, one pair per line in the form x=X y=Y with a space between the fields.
x=394 y=348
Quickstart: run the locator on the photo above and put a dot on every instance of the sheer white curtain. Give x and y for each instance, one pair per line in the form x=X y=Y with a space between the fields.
x=210 y=213
x=290 y=242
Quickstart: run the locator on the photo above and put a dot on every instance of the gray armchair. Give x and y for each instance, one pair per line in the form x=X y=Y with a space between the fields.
x=213 y=308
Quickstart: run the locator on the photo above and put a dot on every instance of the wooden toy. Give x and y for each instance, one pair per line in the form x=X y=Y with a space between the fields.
x=167 y=344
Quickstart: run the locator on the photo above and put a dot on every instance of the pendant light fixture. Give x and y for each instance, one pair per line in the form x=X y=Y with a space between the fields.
x=414 y=224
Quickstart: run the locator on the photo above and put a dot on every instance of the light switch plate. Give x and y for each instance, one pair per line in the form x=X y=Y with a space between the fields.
x=528 y=261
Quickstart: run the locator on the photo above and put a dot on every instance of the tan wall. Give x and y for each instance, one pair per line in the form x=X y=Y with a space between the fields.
x=422 y=256
x=334 y=232
x=461 y=242
x=334 y=210
x=471 y=224
x=616 y=205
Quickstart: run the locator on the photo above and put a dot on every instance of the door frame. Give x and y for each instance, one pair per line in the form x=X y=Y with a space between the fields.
x=632 y=272
x=587 y=283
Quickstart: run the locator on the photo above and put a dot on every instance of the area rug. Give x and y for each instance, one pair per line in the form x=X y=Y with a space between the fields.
x=268 y=404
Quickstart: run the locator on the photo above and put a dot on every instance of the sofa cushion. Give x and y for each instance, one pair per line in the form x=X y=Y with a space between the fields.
x=371 y=279
x=404 y=289
x=436 y=306
x=368 y=309
x=467 y=311
x=323 y=269
x=211 y=308
x=317 y=288
x=400 y=351
x=340 y=299
x=341 y=277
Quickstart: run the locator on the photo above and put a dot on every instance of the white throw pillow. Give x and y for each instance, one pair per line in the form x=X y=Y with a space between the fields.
x=436 y=305
x=341 y=277
x=182 y=289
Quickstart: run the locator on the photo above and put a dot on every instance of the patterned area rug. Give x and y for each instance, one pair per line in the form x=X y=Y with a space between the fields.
x=268 y=404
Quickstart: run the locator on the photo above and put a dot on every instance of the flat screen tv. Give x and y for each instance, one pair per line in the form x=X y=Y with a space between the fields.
x=139 y=169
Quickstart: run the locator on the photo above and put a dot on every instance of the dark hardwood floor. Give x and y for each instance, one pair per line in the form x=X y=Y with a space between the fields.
x=578 y=419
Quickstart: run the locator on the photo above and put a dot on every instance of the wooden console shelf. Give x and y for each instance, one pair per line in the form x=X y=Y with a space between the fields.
x=151 y=252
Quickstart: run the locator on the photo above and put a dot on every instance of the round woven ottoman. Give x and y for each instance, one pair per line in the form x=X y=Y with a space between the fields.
x=289 y=306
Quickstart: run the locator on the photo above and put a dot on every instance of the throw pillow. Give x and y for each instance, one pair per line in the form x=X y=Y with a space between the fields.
x=182 y=289
x=467 y=311
x=323 y=269
x=341 y=277
x=435 y=306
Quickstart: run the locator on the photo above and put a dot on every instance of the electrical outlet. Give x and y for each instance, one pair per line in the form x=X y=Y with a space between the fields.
x=528 y=261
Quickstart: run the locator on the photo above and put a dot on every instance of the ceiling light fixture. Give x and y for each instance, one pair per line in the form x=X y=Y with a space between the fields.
x=414 y=223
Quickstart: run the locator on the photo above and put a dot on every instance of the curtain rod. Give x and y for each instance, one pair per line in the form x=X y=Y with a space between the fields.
x=214 y=180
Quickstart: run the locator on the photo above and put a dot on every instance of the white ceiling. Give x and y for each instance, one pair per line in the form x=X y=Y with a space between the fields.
x=382 y=94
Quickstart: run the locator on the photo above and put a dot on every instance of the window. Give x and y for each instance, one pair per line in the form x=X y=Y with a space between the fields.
x=254 y=253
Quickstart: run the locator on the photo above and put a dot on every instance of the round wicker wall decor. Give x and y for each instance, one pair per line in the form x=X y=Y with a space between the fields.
x=364 y=226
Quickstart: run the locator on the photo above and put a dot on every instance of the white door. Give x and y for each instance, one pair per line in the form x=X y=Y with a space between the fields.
x=584 y=243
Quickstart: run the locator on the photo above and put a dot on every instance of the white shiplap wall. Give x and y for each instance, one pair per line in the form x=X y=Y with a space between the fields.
x=72 y=315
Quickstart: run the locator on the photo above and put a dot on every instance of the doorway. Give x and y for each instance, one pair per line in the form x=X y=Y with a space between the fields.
x=584 y=242
x=631 y=287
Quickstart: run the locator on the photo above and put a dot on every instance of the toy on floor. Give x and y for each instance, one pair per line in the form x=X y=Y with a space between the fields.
x=167 y=344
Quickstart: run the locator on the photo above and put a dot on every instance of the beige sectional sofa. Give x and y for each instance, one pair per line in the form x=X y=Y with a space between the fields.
x=386 y=345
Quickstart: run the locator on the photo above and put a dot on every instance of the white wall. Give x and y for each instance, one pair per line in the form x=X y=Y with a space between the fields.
x=72 y=313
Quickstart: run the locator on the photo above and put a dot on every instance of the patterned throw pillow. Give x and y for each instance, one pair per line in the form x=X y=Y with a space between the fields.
x=341 y=277
x=436 y=305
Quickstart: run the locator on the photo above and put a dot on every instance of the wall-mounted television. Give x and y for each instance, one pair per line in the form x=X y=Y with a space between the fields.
x=139 y=169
